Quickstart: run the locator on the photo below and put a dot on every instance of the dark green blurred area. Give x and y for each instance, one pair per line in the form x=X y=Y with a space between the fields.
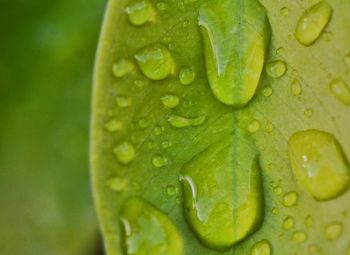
x=46 y=63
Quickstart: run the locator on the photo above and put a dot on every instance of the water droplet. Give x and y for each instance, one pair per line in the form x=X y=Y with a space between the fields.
x=290 y=199
x=158 y=130
x=308 y=112
x=186 y=75
x=313 y=249
x=296 y=88
x=268 y=91
x=284 y=11
x=139 y=83
x=161 y=6
x=275 y=211
x=171 y=190
x=299 y=236
x=254 y=126
x=155 y=62
x=261 y=248
x=269 y=127
x=140 y=12
x=277 y=190
x=170 y=101
x=122 y=101
x=159 y=161
x=288 y=223
x=319 y=163
x=347 y=59
x=333 y=231
x=114 y=125
x=276 y=69
x=340 y=90
x=124 y=152
x=117 y=184
x=234 y=71
x=143 y=123
x=313 y=22
x=166 y=144
x=309 y=221
x=180 y=122
x=150 y=144
x=147 y=230
x=122 y=67
x=221 y=213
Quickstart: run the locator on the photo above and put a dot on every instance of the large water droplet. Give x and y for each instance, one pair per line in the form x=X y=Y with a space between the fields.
x=170 y=101
x=186 y=75
x=155 y=62
x=313 y=22
x=223 y=195
x=124 y=152
x=140 y=12
x=148 y=230
x=340 y=90
x=333 y=230
x=319 y=163
x=261 y=248
x=235 y=51
x=276 y=69
x=290 y=199
x=180 y=122
x=122 y=67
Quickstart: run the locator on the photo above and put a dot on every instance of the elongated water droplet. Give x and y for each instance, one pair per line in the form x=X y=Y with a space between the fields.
x=122 y=67
x=159 y=161
x=186 y=75
x=290 y=199
x=148 y=230
x=288 y=223
x=124 y=152
x=276 y=69
x=235 y=51
x=313 y=22
x=140 y=12
x=299 y=236
x=180 y=122
x=319 y=163
x=117 y=184
x=170 y=101
x=155 y=62
x=261 y=248
x=340 y=90
x=333 y=230
x=223 y=195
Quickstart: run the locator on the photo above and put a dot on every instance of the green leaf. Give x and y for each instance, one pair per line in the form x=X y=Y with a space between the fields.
x=253 y=160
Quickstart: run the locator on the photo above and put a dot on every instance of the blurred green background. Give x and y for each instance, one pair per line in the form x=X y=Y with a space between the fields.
x=46 y=63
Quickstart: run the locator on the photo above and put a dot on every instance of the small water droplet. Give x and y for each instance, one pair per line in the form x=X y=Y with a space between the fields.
x=288 y=223
x=122 y=67
x=122 y=101
x=114 y=125
x=269 y=127
x=347 y=59
x=290 y=199
x=181 y=122
x=158 y=130
x=308 y=112
x=328 y=36
x=254 y=126
x=171 y=190
x=124 y=152
x=319 y=163
x=299 y=236
x=280 y=51
x=275 y=211
x=117 y=184
x=147 y=230
x=155 y=62
x=333 y=230
x=139 y=83
x=340 y=90
x=268 y=91
x=143 y=123
x=166 y=144
x=170 y=101
x=186 y=75
x=312 y=22
x=284 y=11
x=296 y=88
x=276 y=69
x=161 y=6
x=150 y=144
x=277 y=190
x=309 y=221
x=159 y=161
x=261 y=248
x=140 y=12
